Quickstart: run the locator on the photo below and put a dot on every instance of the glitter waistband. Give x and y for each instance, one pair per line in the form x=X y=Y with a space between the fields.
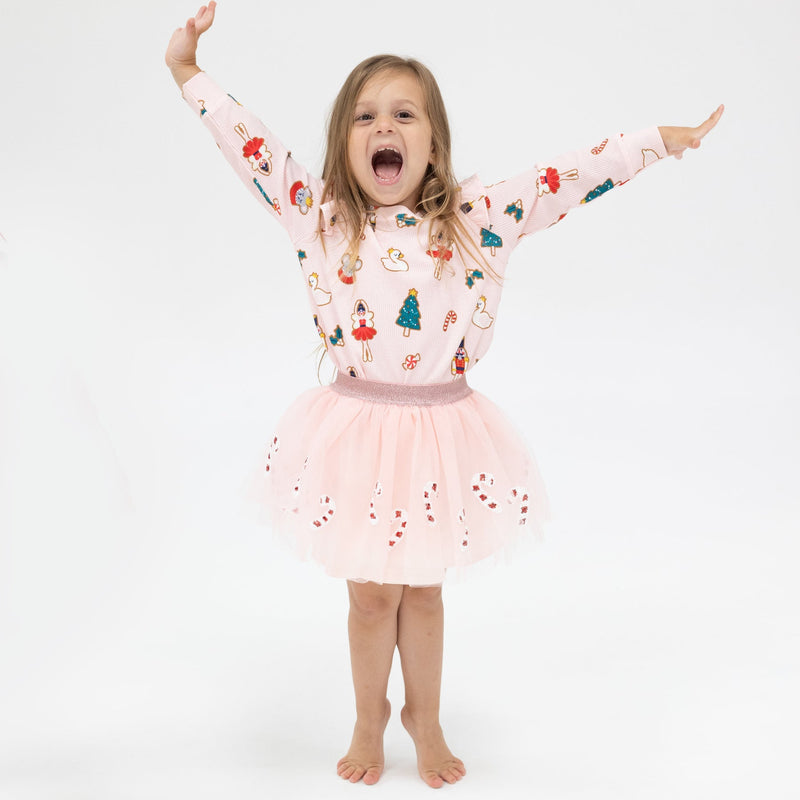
x=404 y=394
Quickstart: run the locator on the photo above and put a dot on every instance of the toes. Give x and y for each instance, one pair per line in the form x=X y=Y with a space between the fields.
x=373 y=773
x=433 y=779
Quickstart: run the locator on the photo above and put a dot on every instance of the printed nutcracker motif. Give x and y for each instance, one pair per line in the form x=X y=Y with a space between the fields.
x=320 y=332
x=515 y=210
x=458 y=364
x=410 y=314
x=490 y=239
x=321 y=297
x=301 y=197
x=395 y=262
x=363 y=328
x=255 y=151
x=549 y=180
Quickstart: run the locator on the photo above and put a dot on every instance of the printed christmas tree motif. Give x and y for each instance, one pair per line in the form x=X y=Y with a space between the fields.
x=604 y=187
x=255 y=151
x=274 y=203
x=405 y=220
x=472 y=276
x=409 y=314
x=301 y=197
x=458 y=364
x=301 y=256
x=363 y=328
x=515 y=210
x=549 y=180
x=338 y=337
x=490 y=239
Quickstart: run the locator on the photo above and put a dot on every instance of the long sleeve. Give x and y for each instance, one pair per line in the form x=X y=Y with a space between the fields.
x=542 y=196
x=258 y=157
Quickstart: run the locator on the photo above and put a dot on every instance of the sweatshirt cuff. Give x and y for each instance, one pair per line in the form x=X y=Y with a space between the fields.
x=642 y=148
x=202 y=94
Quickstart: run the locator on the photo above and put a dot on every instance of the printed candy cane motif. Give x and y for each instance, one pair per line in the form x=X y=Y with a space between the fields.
x=451 y=317
x=480 y=480
x=520 y=494
x=376 y=492
x=462 y=518
x=430 y=492
x=328 y=510
x=399 y=526
x=274 y=446
x=599 y=149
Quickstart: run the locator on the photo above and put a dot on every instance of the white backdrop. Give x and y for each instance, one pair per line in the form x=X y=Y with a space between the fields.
x=156 y=642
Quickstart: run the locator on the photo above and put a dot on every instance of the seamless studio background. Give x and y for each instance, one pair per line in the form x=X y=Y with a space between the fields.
x=157 y=641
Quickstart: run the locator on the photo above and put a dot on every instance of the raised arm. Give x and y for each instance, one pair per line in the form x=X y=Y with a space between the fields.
x=181 y=55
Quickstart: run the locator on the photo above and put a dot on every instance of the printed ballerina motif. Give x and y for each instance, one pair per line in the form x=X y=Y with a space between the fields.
x=549 y=180
x=458 y=364
x=347 y=273
x=321 y=297
x=440 y=256
x=429 y=493
x=273 y=201
x=301 y=197
x=604 y=187
x=363 y=328
x=473 y=275
x=515 y=210
x=395 y=262
x=255 y=151
x=405 y=220
x=410 y=314
x=490 y=239
x=449 y=318
x=398 y=526
x=480 y=316
x=411 y=361
x=599 y=149
x=337 y=339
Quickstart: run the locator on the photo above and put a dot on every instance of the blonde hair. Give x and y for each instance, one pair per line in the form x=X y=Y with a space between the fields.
x=439 y=194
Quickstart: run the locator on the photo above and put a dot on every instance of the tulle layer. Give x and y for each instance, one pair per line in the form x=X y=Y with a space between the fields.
x=398 y=493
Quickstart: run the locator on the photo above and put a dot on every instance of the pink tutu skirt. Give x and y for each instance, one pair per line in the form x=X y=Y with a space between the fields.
x=399 y=484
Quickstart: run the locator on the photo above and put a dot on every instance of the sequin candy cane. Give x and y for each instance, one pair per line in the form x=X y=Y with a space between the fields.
x=328 y=510
x=480 y=480
x=520 y=494
x=462 y=518
x=400 y=522
x=376 y=492
x=299 y=481
x=274 y=446
x=430 y=492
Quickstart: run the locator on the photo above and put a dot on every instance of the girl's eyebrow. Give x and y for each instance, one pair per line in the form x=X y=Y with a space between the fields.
x=400 y=102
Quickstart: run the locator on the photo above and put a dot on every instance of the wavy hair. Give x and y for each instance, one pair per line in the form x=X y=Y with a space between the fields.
x=439 y=193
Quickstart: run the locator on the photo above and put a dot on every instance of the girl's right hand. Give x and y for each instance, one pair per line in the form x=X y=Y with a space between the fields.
x=182 y=48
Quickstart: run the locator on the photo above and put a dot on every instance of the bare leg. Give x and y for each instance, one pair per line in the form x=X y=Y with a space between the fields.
x=420 y=629
x=372 y=626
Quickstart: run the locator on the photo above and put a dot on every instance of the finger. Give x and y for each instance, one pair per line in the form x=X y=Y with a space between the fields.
x=705 y=127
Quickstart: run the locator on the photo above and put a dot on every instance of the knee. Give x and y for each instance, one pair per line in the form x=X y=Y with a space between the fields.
x=424 y=598
x=374 y=602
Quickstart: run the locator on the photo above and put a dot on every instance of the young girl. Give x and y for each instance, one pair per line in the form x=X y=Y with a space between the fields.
x=398 y=471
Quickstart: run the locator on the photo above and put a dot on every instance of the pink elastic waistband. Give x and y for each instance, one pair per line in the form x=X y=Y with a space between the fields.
x=404 y=394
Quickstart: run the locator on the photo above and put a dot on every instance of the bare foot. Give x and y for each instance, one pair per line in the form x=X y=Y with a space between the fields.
x=435 y=762
x=364 y=759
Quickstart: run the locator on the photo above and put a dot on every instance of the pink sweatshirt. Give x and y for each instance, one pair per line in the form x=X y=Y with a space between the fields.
x=405 y=312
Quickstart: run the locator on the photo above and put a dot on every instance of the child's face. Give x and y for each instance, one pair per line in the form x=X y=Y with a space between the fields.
x=390 y=144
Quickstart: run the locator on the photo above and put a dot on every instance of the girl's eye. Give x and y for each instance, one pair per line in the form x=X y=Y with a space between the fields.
x=363 y=117
x=405 y=115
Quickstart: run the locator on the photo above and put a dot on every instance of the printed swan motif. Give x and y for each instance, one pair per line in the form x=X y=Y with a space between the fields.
x=321 y=297
x=396 y=261
x=480 y=316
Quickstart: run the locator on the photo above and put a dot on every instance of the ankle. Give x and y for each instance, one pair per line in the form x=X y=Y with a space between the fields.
x=423 y=719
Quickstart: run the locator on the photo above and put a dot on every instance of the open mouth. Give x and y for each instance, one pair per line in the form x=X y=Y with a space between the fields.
x=387 y=164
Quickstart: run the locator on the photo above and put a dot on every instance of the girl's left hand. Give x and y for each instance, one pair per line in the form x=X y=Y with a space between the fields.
x=677 y=139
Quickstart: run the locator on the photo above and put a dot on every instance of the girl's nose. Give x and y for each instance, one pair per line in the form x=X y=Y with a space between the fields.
x=385 y=123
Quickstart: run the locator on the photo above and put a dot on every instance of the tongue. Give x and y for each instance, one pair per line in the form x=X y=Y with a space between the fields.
x=386 y=170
